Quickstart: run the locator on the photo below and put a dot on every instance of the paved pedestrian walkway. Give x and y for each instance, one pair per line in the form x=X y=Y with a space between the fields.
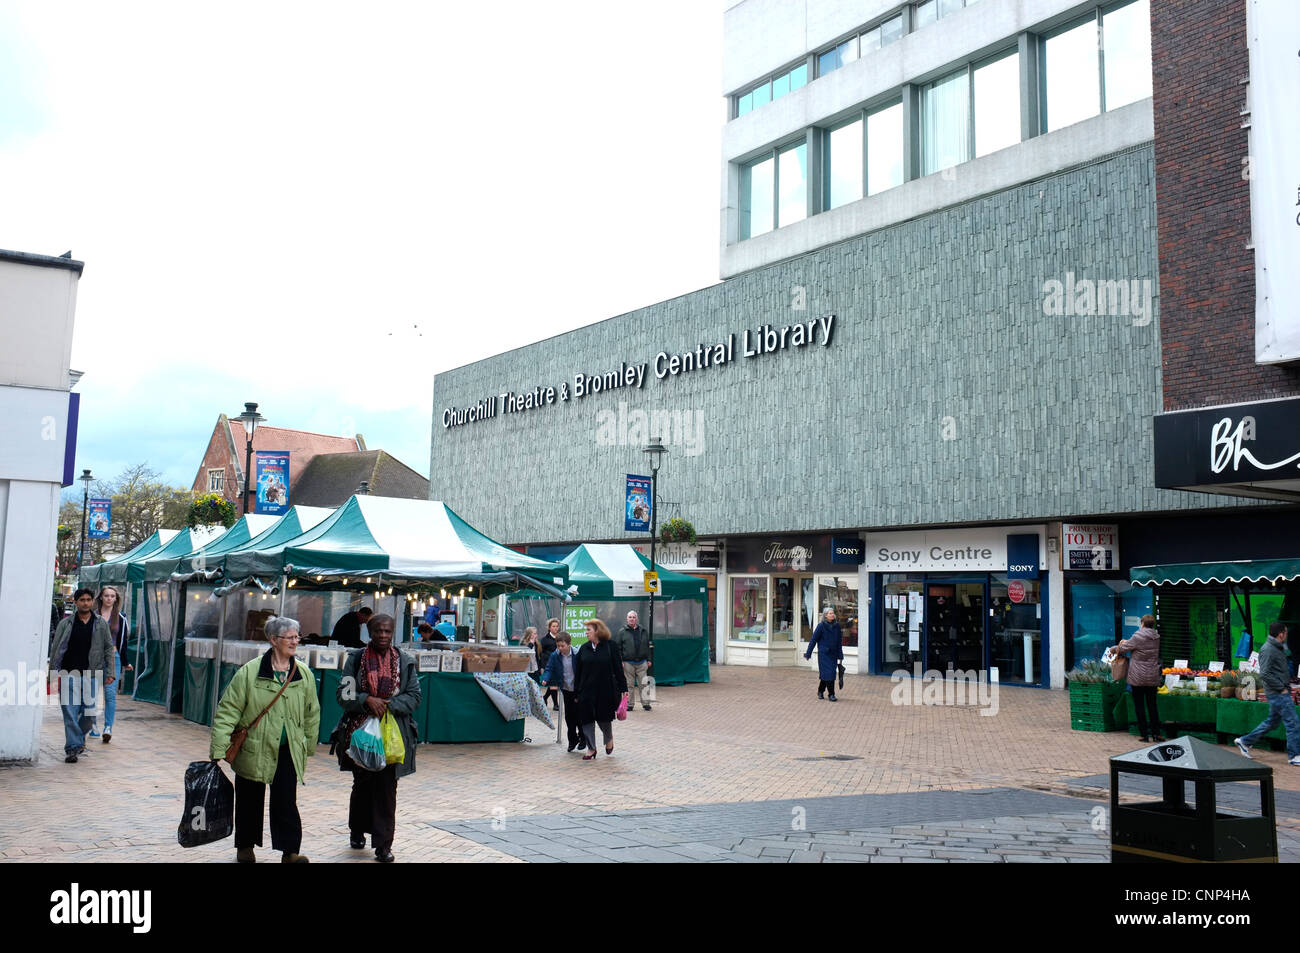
x=755 y=738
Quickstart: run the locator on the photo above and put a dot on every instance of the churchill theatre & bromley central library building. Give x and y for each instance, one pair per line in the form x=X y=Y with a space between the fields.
x=988 y=290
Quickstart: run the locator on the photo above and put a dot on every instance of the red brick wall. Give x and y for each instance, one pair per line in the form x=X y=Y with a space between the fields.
x=217 y=456
x=1207 y=274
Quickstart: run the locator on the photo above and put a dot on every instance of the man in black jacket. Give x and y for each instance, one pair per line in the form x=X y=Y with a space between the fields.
x=347 y=631
x=1276 y=676
x=82 y=654
x=634 y=646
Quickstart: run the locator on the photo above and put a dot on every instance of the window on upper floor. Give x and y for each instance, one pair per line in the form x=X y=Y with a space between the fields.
x=215 y=479
x=772 y=88
x=927 y=11
x=864 y=155
x=970 y=112
x=1097 y=64
x=860 y=44
x=774 y=190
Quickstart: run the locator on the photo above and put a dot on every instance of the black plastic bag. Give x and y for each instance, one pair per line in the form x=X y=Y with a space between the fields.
x=209 y=805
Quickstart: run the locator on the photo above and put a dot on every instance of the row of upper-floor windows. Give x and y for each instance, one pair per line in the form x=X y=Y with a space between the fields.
x=1089 y=66
x=877 y=36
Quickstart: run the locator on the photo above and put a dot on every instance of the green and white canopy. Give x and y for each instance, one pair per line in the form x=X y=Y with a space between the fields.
x=204 y=562
x=1244 y=570
x=408 y=543
x=159 y=564
x=115 y=570
x=617 y=569
x=291 y=525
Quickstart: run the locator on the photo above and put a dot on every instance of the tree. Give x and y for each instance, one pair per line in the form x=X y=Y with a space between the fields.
x=69 y=534
x=142 y=504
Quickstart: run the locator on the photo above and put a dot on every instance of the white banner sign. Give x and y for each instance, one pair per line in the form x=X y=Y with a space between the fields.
x=1089 y=546
x=979 y=549
x=1274 y=168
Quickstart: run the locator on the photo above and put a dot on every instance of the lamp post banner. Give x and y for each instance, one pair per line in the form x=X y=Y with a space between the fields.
x=637 y=514
x=100 y=518
x=272 y=482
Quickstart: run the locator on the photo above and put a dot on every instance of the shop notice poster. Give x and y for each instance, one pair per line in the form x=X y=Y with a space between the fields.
x=99 y=518
x=272 y=482
x=637 y=517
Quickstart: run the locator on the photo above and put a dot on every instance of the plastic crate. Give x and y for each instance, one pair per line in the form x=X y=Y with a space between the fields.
x=1097 y=722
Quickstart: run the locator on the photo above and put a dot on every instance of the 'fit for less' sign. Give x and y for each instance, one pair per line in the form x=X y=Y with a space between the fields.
x=1089 y=546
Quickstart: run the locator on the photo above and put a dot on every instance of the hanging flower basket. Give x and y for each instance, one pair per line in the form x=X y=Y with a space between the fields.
x=209 y=509
x=677 y=530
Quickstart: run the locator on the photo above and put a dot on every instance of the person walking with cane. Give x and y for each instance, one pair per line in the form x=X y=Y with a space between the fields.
x=828 y=641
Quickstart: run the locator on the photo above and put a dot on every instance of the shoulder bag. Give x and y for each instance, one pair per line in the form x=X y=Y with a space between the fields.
x=240 y=735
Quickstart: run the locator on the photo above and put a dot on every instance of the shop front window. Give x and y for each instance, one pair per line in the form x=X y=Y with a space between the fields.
x=749 y=608
x=841 y=594
x=1015 y=629
x=783 y=609
x=901 y=641
x=955 y=626
x=1101 y=613
x=808 y=609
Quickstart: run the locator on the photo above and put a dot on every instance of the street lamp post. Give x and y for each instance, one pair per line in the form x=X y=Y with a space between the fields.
x=656 y=450
x=86 y=479
x=250 y=419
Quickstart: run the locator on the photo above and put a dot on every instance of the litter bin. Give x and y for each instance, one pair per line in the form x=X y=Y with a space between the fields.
x=1171 y=830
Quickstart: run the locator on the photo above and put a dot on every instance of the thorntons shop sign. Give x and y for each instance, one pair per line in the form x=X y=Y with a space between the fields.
x=753 y=343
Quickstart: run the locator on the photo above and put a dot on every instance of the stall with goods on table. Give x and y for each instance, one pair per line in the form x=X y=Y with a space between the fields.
x=396 y=555
x=609 y=581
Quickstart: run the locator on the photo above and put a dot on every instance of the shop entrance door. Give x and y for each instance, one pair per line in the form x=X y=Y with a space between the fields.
x=954 y=626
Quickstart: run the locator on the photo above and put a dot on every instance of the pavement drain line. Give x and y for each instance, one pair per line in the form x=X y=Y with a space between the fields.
x=832 y=757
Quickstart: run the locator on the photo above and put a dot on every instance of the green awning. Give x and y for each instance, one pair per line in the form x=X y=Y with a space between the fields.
x=1244 y=570
x=616 y=570
x=115 y=570
x=411 y=543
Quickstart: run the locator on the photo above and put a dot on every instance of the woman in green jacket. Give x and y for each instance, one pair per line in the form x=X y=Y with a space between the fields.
x=277 y=749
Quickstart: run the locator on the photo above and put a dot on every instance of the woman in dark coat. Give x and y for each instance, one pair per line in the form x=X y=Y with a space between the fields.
x=548 y=645
x=830 y=651
x=1144 y=677
x=376 y=679
x=599 y=685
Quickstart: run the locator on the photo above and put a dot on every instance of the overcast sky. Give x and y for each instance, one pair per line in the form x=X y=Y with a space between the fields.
x=319 y=205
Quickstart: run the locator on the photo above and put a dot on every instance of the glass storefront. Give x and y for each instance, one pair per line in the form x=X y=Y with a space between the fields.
x=1015 y=630
x=841 y=594
x=796 y=603
x=967 y=622
x=749 y=608
x=1102 y=611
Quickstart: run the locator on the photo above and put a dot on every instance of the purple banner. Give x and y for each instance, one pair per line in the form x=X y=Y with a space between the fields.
x=99 y=519
x=637 y=517
x=273 y=482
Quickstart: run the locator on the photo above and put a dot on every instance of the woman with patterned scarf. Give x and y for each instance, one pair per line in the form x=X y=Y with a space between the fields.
x=376 y=679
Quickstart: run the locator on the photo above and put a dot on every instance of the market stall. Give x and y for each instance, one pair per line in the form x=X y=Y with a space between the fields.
x=394 y=555
x=191 y=593
x=157 y=651
x=610 y=583
x=220 y=634
x=117 y=572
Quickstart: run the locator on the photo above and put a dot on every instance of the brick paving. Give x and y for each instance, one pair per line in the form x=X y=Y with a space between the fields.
x=750 y=736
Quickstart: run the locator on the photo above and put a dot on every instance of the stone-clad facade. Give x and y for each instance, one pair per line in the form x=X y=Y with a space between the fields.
x=946 y=395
